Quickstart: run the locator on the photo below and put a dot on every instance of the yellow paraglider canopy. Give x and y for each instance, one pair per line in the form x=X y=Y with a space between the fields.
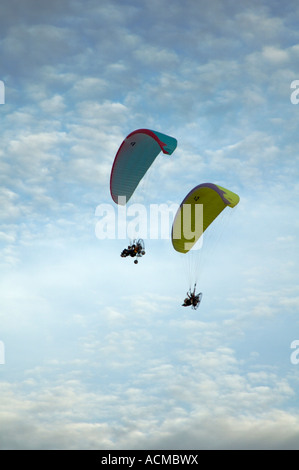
x=198 y=210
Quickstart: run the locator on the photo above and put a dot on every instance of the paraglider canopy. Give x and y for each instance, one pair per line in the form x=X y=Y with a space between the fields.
x=191 y=221
x=134 y=157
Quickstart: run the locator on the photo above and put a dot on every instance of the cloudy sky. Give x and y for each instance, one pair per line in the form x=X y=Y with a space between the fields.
x=98 y=352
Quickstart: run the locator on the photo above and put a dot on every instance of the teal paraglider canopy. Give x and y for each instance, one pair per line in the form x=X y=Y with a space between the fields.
x=134 y=157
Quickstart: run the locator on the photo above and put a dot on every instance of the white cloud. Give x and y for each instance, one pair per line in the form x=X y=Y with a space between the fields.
x=275 y=55
x=155 y=57
x=53 y=105
x=10 y=208
x=100 y=353
x=157 y=410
